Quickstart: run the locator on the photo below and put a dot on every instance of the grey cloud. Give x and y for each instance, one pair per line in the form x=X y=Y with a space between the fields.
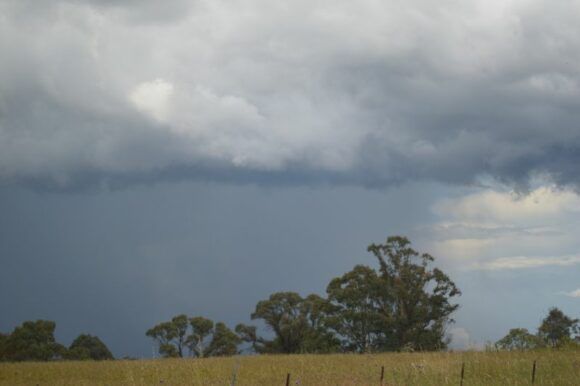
x=352 y=93
x=133 y=11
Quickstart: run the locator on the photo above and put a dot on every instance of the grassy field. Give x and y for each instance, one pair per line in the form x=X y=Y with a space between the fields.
x=481 y=368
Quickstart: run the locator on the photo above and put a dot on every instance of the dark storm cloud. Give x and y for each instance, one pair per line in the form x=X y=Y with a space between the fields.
x=364 y=93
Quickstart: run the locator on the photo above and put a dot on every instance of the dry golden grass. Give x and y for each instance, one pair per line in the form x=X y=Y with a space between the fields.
x=558 y=368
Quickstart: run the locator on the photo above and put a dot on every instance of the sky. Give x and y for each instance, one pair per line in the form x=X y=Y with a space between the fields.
x=195 y=156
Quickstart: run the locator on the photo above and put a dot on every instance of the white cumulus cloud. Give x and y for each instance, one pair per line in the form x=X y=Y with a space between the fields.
x=501 y=230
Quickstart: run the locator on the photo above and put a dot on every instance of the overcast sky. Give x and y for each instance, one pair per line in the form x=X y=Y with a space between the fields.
x=159 y=158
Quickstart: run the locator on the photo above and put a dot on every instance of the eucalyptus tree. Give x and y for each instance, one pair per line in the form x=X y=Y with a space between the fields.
x=224 y=341
x=201 y=329
x=299 y=324
x=405 y=304
x=357 y=300
x=171 y=336
x=418 y=307
x=198 y=334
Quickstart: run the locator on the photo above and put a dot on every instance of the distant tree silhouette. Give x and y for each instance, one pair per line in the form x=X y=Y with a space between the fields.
x=557 y=328
x=88 y=347
x=518 y=339
x=202 y=339
x=33 y=341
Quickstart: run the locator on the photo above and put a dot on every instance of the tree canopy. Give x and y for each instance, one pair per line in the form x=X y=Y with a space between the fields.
x=405 y=304
x=33 y=341
x=224 y=341
x=201 y=329
x=197 y=334
x=171 y=336
x=299 y=324
x=518 y=339
x=557 y=328
x=358 y=299
x=418 y=306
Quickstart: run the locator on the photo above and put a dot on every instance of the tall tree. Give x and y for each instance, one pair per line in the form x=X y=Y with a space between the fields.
x=171 y=336
x=224 y=341
x=358 y=298
x=299 y=325
x=558 y=328
x=320 y=336
x=420 y=307
x=201 y=329
x=88 y=347
x=282 y=313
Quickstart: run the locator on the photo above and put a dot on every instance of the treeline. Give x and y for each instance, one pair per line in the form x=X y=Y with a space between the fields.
x=34 y=341
x=557 y=330
x=403 y=305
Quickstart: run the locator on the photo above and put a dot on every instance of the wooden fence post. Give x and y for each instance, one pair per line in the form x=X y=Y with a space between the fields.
x=462 y=372
x=288 y=379
x=382 y=375
x=534 y=372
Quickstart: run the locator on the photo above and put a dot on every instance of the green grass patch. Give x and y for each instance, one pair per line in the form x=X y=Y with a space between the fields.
x=558 y=368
